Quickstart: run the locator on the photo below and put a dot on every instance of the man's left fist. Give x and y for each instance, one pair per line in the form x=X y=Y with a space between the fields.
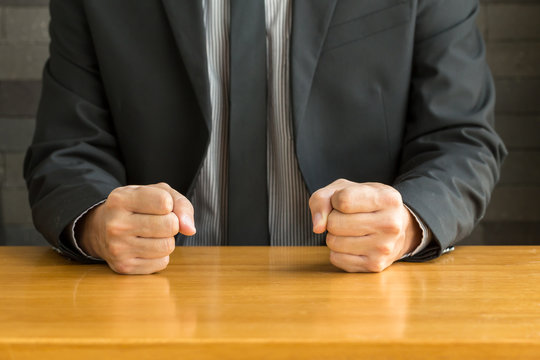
x=368 y=225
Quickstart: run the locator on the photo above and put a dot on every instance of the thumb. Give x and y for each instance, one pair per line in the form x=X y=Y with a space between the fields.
x=320 y=204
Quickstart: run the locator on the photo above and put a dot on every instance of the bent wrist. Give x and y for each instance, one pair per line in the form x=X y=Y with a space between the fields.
x=87 y=232
x=413 y=232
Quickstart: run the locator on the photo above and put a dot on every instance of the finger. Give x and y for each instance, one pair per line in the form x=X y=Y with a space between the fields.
x=371 y=245
x=354 y=245
x=142 y=199
x=321 y=206
x=183 y=210
x=360 y=224
x=356 y=263
x=381 y=222
x=136 y=266
x=348 y=262
x=130 y=247
x=365 y=197
x=151 y=248
x=153 y=226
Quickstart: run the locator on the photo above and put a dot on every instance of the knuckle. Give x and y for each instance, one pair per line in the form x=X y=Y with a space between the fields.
x=385 y=249
x=349 y=269
x=332 y=224
x=334 y=259
x=330 y=240
x=115 y=250
x=116 y=197
x=343 y=200
x=376 y=265
x=114 y=228
x=172 y=244
x=392 y=226
x=391 y=198
x=164 y=201
x=316 y=197
x=162 y=263
x=123 y=267
x=168 y=246
x=164 y=185
x=111 y=232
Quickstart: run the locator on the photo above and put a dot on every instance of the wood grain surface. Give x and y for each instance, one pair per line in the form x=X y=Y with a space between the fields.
x=272 y=303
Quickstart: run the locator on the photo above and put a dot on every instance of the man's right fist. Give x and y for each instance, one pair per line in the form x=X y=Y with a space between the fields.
x=134 y=229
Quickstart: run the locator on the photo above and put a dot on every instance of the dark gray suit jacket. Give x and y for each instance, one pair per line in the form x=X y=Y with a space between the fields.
x=392 y=91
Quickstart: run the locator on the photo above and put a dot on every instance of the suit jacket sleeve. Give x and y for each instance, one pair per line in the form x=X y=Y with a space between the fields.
x=73 y=162
x=451 y=155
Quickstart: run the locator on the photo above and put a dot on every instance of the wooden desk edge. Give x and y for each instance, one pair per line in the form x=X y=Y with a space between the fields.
x=259 y=349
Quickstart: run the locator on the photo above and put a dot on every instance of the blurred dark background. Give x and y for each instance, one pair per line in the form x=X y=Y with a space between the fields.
x=511 y=29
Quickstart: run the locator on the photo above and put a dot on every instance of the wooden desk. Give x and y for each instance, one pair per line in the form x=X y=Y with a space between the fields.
x=271 y=303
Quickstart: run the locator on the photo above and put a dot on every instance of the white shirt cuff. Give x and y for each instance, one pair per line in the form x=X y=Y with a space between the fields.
x=71 y=233
x=426 y=236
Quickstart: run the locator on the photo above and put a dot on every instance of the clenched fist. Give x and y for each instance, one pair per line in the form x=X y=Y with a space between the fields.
x=134 y=229
x=368 y=225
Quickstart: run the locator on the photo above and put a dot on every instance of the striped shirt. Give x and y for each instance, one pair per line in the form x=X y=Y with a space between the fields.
x=289 y=219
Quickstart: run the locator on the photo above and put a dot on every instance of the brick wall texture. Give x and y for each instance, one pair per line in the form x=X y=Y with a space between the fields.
x=511 y=29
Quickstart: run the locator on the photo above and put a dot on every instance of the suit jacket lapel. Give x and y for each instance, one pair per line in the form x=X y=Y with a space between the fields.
x=310 y=24
x=186 y=20
x=309 y=27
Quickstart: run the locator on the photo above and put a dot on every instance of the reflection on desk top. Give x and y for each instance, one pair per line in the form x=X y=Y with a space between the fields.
x=258 y=302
